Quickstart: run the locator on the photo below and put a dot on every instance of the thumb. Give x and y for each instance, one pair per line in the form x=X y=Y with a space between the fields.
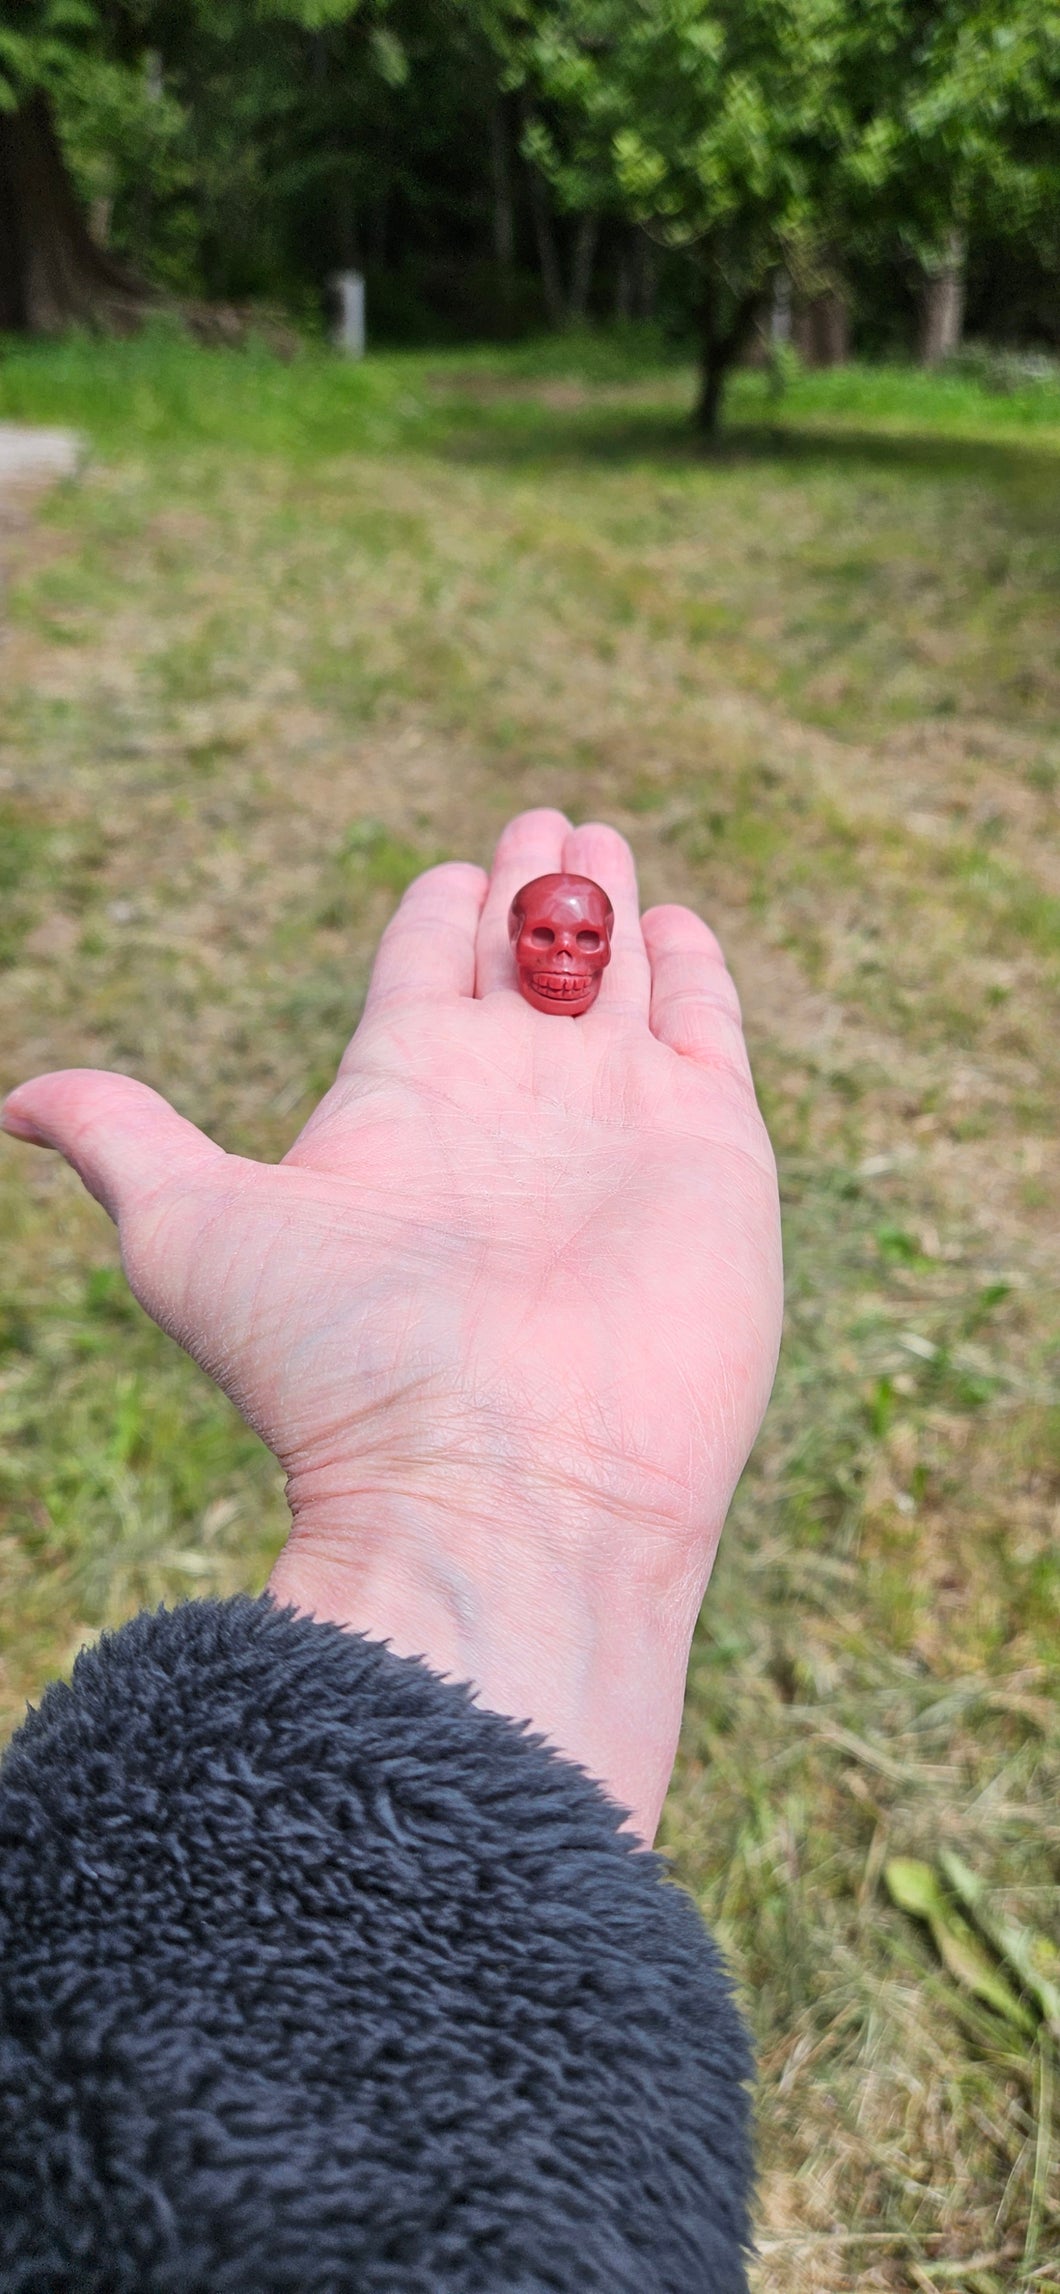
x=123 y=1140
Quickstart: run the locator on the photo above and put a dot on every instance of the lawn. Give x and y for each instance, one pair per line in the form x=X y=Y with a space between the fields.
x=298 y=630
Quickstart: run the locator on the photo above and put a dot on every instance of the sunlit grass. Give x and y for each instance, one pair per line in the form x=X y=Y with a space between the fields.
x=160 y=389
x=301 y=630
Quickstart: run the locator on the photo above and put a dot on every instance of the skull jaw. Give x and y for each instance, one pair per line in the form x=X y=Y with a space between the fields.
x=566 y=993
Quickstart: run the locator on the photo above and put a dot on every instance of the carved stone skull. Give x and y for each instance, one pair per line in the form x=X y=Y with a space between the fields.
x=560 y=930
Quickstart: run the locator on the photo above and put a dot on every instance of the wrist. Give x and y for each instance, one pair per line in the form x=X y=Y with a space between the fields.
x=532 y=1614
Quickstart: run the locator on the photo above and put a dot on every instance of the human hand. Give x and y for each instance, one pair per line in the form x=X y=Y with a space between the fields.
x=508 y=1311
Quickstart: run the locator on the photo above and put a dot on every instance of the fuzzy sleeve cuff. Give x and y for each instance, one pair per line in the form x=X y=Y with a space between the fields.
x=315 y=1977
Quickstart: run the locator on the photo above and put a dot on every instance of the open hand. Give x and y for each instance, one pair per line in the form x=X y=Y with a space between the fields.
x=507 y=1313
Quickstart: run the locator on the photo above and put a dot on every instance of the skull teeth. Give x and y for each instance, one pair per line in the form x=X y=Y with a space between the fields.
x=566 y=987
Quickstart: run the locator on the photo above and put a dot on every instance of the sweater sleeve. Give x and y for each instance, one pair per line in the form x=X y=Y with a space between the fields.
x=315 y=1978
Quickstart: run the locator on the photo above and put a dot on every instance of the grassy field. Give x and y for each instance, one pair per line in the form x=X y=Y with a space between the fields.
x=297 y=631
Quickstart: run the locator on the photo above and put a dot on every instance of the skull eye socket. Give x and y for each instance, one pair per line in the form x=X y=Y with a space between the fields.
x=590 y=941
x=542 y=936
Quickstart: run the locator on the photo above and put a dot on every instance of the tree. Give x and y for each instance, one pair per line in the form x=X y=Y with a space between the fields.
x=241 y=149
x=955 y=107
x=52 y=272
x=708 y=123
x=95 y=70
x=170 y=150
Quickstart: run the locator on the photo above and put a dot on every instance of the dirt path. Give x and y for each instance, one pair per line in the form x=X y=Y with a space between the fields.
x=36 y=454
x=31 y=460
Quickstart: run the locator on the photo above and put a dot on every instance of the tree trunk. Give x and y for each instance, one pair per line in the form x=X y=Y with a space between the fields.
x=100 y=216
x=942 y=302
x=714 y=374
x=347 y=236
x=581 y=277
x=548 y=260
x=503 y=202
x=832 y=323
x=52 y=274
x=647 y=280
x=719 y=349
x=820 y=329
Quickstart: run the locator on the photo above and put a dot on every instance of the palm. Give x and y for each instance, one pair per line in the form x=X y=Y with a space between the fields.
x=551 y=1245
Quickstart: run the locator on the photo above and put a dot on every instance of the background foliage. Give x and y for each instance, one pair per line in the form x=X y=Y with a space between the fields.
x=493 y=164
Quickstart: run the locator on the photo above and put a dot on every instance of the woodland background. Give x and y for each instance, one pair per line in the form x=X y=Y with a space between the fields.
x=863 y=176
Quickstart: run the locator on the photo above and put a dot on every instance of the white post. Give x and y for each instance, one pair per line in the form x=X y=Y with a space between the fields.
x=349 y=334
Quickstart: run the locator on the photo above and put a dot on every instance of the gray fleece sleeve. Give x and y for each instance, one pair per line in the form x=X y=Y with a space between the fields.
x=317 y=1979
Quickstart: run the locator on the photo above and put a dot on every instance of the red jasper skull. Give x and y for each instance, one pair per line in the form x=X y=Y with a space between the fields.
x=560 y=930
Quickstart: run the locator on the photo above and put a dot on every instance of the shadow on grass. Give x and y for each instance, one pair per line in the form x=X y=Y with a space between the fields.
x=532 y=437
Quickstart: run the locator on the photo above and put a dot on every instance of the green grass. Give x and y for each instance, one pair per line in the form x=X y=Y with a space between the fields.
x=300 y=630
x=159 y=390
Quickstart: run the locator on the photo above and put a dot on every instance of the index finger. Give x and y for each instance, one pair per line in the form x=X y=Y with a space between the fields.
x=427 y=952
x=531 y=845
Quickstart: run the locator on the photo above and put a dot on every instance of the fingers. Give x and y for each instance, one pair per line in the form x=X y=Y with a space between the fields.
x=428 y=948
x=122 y=1139
x=694 y=1005
x=539 y=844
x=600 y=852
x=531 y=845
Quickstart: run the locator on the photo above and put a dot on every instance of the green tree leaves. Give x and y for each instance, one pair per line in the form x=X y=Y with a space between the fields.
x=710 y=123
